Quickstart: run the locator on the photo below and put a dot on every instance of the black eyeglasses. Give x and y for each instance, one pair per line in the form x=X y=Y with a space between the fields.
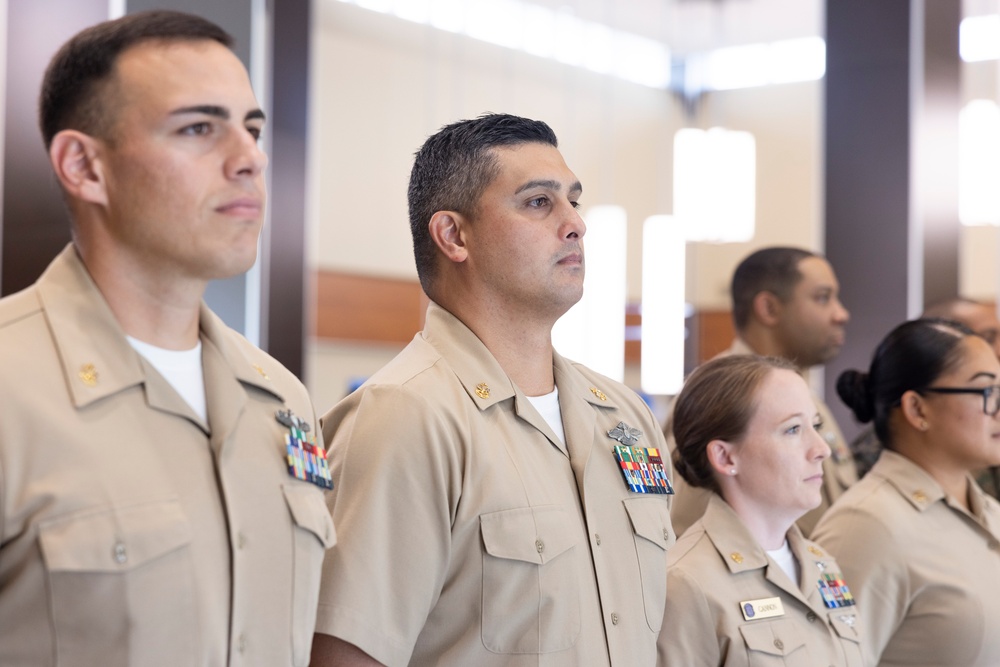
x=991 y=395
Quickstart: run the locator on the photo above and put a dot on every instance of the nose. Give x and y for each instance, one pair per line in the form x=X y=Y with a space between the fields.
x=573 y=225
x=841 y=314
x=820 y=448
x=246 y=159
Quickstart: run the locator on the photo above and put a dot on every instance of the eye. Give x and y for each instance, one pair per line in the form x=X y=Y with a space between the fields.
x=197 y=129
x=255 y=132
x=575 y=204
x=793 y=430
x=818 y=425
x=823 y=299
x=538 y=202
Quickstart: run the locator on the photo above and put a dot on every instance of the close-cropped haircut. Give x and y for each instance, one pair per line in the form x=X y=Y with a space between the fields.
x=75 y=91
x=774 y=270
x=718 y=401
x=454 y=167
x=910 y=358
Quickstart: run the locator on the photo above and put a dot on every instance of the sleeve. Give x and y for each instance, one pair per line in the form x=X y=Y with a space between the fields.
x=397 y=476
x=875 y=570
x=688 y=634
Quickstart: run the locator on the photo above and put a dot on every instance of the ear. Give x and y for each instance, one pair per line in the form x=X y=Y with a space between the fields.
x=447 y=229
x=76 y=160
x=914 y=410
x=720 y=457
x=767 y=308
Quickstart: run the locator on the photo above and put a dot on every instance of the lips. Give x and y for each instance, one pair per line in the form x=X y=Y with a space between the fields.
x=242 y=207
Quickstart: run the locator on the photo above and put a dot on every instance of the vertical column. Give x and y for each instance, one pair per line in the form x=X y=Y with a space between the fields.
x=34 y=226
x=891 y=176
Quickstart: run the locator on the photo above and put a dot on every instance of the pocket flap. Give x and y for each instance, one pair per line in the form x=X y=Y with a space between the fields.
x=114 y=539
x=650 y=519
x=778 y=637
x=531 y=534
x=309 y=512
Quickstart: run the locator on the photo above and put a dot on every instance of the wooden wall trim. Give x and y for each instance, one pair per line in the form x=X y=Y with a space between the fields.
x=366 y=309
x=357 y=308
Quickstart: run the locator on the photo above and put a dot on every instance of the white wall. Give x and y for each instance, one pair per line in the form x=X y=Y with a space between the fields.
x=382 y=85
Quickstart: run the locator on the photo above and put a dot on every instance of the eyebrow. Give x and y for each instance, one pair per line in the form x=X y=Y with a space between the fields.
x=549 y=184
x=984 y=374
x=218 y=112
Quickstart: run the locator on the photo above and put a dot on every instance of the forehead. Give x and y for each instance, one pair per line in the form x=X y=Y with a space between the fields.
x=816 y=272
x=521 y=163
x=180 y=73
x=782 y=394
x=976 y=357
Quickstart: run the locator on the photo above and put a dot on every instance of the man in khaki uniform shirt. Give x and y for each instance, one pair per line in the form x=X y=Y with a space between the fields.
x=785 y=304
x=925 y=570
x=147 y=518
x=717 y=568
x=482 y=517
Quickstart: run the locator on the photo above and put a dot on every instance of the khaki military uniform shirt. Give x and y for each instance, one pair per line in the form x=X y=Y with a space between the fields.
x=717 y=568
x=469 y=534
x=839 y=472
x=131 y=533
x=925 y=571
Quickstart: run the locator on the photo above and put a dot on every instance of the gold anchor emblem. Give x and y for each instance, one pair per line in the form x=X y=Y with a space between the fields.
x=483 y=390
x=88 y=374
x=737 y=557
x=599 y=394
x=261 y=371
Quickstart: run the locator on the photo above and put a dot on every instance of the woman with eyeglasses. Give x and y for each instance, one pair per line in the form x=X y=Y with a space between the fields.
x=917 y=538
x=744 y=587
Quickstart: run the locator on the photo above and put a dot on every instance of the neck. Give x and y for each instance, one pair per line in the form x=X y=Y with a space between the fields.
x=762 y=342
x=155 y=308
x=767 y=526
x=520 y=344
x=922 y=450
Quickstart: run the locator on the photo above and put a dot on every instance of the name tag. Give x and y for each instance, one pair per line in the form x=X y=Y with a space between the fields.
x=762 y=608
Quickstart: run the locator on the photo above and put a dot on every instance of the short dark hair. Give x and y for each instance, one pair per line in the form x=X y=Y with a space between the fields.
x=717 y=403
x=452 y=169
x=774 y=270
x=71 y=96
x=910 y=358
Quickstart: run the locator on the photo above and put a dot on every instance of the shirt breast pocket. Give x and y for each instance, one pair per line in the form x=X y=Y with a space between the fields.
x=653 y=535
x=314 y=534
x=776 y=643
x=121 y=585
x=531 y=594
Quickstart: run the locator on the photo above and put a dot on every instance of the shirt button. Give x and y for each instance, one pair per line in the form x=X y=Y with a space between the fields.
x=811 y=616
x=614 y=618
x=597 y=538
x=241 y=644
x=666 y=535
x=241 y=540
x=778 y=644
x=539 y=546
x=120 y=554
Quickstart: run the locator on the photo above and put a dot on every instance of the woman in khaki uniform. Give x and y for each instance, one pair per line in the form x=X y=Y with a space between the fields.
x=918 y=538
x=744 y=587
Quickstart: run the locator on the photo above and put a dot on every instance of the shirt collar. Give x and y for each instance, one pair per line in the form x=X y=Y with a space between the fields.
x=96 y=358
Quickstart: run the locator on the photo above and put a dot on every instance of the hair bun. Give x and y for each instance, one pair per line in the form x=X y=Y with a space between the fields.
x=855 y=391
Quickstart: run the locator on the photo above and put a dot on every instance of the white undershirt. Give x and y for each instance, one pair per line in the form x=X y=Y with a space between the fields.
x=787 y=561
x=548 y=407
x=181 y=368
